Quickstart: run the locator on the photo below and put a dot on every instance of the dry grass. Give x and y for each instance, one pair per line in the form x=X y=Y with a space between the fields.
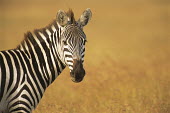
x=127 y=58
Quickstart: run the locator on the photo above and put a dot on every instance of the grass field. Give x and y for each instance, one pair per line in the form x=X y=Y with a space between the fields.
x=127 y=58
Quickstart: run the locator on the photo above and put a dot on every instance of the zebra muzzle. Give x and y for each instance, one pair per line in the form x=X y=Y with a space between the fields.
x=78 y=72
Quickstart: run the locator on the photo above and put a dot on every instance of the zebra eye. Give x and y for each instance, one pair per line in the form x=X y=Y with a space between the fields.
x=64 y=42
x=85 y=41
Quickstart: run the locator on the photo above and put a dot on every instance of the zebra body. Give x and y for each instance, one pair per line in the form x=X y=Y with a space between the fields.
x=26 y=71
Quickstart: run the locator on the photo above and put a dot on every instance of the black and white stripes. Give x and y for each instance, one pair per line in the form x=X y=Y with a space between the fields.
x=26 y=71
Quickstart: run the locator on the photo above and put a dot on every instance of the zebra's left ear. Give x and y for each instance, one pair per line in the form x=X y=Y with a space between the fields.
x=85 y=17
x=62 y=18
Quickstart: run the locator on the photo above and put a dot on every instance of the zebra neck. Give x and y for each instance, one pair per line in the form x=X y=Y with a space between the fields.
x=40 y=48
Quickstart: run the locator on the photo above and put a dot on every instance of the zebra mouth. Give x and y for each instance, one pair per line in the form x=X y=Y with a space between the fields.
x=77 y=77
x=76 y=80
x=78 y=72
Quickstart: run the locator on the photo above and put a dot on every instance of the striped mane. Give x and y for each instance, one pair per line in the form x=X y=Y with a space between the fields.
x=28 y=35
x=70 y=15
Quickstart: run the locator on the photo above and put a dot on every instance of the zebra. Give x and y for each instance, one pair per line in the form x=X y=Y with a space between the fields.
x=27 y=70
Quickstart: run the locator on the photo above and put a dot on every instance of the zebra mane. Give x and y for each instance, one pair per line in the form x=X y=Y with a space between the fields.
x=28 y=34
x=70 y=15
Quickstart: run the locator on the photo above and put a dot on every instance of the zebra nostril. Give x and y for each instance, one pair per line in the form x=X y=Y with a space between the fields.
x=72 y=74
x=84 y=72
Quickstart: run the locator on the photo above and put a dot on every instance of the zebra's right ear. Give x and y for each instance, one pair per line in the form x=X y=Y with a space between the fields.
x=62 y=18
x=85 y=17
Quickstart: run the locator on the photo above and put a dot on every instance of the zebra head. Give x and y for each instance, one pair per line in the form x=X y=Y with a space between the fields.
x=72 y=42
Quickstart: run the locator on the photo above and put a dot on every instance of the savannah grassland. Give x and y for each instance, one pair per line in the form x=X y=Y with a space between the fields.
x=127 y=58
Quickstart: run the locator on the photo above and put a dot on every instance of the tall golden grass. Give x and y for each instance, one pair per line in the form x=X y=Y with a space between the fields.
x=127 y=54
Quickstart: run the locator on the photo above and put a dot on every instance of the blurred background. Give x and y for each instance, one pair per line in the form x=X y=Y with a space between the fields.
x=127 y=58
